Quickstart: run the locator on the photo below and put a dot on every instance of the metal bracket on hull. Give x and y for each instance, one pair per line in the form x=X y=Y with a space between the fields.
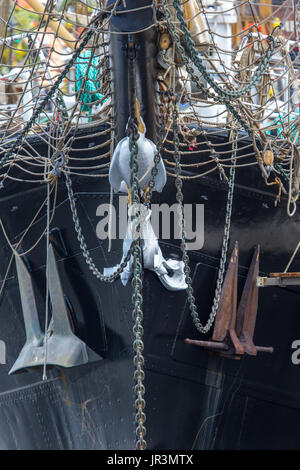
x=64 y=348
x=279 y=280
x=234 y=327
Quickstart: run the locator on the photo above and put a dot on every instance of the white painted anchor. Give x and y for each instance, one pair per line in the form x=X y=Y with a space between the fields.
x=170 y=272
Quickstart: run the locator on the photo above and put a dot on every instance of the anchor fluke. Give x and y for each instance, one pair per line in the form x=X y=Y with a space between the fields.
x=29 y=355
x=234 y=327
x=64 y=348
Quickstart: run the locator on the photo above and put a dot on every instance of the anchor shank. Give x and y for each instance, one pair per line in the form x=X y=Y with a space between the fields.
x=59 y=310
x=30 y=314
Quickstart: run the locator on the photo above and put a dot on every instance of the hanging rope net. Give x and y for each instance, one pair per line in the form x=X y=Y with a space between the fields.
x=225 y=69
x=226 y=62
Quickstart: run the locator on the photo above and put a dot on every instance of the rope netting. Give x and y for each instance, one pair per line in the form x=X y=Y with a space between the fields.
x=224 y=64
x=38 y=44
x=224 y=67
x=228 y=62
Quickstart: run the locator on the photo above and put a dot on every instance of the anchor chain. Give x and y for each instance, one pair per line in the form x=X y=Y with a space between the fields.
x=193 y=54
x=185 y=60
x=137 y=301
x=156 y=160
x=185 y=258
x=83 y=245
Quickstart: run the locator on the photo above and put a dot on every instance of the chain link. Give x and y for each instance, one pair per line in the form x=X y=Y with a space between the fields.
x=185 y=258
x=157 y=157
x=137 y=301
x=83 y=245
x=185 y=60
x=193 y=54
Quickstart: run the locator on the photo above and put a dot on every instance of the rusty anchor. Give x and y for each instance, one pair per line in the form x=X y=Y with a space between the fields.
x=234 y=327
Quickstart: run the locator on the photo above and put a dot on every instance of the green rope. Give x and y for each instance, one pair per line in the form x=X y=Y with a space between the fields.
x=88 y=66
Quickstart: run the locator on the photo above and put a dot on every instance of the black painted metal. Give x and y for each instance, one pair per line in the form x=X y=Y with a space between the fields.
x=194 y=398
x=146 y=50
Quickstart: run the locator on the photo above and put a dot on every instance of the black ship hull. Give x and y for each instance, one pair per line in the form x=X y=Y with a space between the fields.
x=195 y=399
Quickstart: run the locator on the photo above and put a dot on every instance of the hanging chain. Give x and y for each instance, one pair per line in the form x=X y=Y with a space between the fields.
x=154 y=171
x=83 y=245
x=185 y=258
x=137 y=280
x=157 y=157
x=193 y=54
x=137 y=300
x=185 y=60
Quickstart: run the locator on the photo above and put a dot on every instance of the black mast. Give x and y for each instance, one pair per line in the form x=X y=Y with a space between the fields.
x=138 y=22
